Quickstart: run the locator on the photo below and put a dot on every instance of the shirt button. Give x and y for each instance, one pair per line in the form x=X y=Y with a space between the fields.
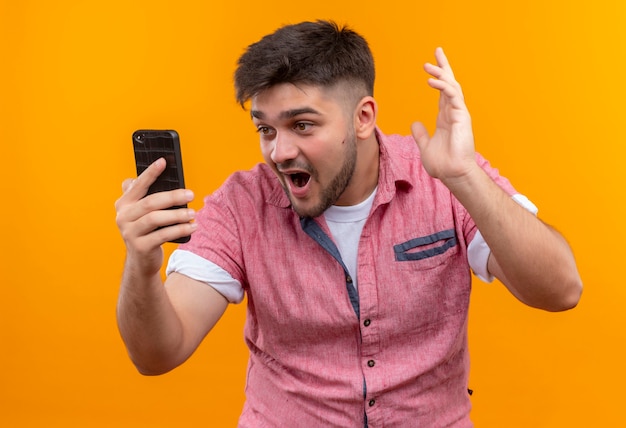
x=367 y=323
x=371 y=363
x=348 y=279
x=372 y=402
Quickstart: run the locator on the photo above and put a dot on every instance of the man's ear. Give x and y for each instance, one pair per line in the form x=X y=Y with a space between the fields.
x=365 y=117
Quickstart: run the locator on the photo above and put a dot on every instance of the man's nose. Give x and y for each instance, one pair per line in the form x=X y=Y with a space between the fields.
x=284 y=148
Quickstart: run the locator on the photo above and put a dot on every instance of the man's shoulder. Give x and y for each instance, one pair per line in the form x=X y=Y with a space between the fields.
x=398 y=143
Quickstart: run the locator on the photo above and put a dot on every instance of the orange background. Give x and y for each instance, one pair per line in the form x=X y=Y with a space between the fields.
x=544 y=81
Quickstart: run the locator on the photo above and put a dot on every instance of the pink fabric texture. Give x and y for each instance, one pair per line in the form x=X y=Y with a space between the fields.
x=312 y=357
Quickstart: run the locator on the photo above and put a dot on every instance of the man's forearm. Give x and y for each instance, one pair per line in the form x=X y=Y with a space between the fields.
x=148 y=323
x=532 y=259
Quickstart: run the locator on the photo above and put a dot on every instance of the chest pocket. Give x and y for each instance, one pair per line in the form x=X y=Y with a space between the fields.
x=429 y=249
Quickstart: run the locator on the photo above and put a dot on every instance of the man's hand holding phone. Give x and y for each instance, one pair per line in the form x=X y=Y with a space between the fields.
x=153 y=207
x=147 y=222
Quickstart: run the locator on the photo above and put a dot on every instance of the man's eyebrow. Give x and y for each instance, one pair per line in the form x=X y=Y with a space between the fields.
x=288 y=114
x=297 y=112
x=257 y=114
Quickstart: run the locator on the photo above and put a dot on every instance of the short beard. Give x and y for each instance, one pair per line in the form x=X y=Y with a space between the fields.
x=340 y=182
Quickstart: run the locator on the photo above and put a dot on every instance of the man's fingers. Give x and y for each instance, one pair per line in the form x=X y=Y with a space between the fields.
x=164 y=200
x=127 y=184
x=163 y=218
x=133 y=210
x=452 y=93
x=146 y=222
x=442 y=69
x=140 y=185
x=133 y=189
x=442 y=59
x=442 y=74
x=156 y=227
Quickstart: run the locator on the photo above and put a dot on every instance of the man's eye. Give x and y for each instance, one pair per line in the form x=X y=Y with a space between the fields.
x=263 y=130
x=300 y=126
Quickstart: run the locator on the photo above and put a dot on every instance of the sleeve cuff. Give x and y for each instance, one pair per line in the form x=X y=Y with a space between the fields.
x=200 y=269
x=478 y=251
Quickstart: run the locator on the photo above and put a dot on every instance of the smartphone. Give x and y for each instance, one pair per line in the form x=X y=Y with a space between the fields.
x=150 y=145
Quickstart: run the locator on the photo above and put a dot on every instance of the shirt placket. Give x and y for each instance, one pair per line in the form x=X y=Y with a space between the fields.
x=370 y=341
x=369 y=327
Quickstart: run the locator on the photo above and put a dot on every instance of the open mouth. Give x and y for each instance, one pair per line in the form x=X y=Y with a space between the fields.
x=300 y=179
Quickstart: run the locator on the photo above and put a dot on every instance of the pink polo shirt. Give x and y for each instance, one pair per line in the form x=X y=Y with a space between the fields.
x=393 y=355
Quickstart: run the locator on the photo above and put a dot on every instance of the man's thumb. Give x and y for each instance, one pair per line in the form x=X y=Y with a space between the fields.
x=420 y=134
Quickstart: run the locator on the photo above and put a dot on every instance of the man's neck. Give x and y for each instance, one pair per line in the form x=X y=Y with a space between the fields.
x=365 y=177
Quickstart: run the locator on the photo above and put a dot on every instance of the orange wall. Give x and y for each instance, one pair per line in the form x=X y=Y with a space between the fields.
x=544 y=81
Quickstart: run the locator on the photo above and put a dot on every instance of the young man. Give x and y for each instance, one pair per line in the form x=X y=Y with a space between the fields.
x=354 y=248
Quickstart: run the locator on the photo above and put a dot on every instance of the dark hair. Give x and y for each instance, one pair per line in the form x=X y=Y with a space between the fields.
x=317 y=53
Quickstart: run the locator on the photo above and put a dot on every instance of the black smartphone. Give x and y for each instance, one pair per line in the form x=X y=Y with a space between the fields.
x=150 y=145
